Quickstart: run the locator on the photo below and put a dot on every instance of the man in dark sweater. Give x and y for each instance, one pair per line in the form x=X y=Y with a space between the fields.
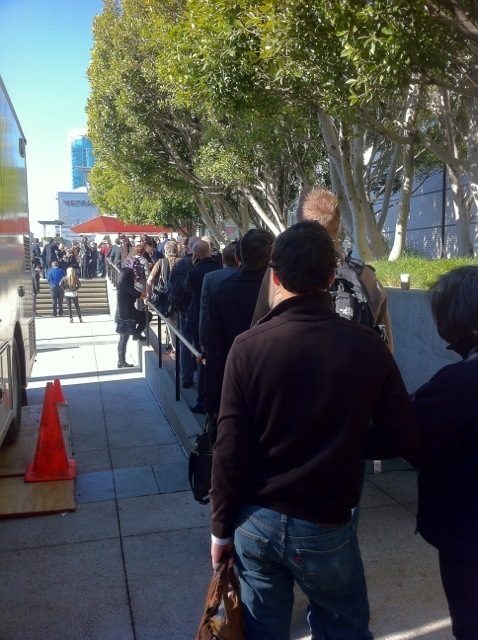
x=231 y=308
x=306 y=396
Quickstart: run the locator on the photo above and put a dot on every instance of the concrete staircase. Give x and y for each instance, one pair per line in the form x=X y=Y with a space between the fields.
x=93 y=298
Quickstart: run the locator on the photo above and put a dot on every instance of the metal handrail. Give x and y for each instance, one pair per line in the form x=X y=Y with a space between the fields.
x=180 y=343
x=112 y=272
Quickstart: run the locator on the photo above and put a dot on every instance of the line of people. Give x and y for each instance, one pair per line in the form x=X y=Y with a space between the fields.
x=301 y=399
x=142 y=262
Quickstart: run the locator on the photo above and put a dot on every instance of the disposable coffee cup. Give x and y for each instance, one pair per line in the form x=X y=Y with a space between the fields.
x=405 y=281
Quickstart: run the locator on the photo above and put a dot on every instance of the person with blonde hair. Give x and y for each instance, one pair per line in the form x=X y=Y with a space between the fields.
x=70 y=285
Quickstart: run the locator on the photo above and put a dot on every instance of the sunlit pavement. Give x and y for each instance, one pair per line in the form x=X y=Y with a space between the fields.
x=133 y=561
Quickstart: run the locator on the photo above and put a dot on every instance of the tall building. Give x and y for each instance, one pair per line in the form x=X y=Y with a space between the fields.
x=82 y=158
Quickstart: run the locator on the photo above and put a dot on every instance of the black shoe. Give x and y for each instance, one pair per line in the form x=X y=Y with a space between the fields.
x=188 y=385
x=140 y=337
x=198 y=408
x=123 y=365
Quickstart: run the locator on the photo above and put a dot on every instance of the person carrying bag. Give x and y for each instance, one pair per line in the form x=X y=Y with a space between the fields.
x=223 y=617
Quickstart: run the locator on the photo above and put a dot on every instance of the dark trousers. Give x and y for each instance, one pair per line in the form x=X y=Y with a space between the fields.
x=56 y=293
x=123 y=341
x=460 y=583
x=76 y=304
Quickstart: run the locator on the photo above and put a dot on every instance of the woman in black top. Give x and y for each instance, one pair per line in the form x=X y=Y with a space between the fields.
x=127 y=296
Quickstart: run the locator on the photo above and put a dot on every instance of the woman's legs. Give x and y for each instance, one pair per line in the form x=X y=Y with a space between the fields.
x=123 y=341
x=77 y=307
x=68 y=306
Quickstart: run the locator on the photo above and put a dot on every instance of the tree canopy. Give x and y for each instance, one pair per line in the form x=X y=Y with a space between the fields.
x=227 y=110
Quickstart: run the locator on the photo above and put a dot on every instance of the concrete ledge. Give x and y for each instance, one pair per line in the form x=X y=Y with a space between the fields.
x=177 y=412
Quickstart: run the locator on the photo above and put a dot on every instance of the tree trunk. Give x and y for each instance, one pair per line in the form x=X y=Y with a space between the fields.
x=262 y=215
x=407 y=182
x=441 y=102
x=461 y=216
x=472 y=151
x=348 y=176
x=404 y=204
x=217 y=230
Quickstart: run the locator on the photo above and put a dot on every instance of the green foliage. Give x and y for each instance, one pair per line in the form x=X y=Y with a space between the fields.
x=218 y=101
x=423 y=273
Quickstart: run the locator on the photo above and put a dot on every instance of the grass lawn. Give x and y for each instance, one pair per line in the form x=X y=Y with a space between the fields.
x=423 y=273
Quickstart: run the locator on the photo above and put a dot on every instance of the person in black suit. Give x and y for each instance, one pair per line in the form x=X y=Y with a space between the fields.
x=231 y=308
x=203 y=263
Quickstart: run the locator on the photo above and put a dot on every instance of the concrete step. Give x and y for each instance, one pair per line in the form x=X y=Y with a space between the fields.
x=93 y=297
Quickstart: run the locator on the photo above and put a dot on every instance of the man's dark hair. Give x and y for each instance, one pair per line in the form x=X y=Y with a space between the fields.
x=454 y=305
x=256 y=248
x=303 y=257
x=229 y=255
x=126 y=275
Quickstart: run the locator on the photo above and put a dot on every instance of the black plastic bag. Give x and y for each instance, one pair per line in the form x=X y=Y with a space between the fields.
x=200 y=462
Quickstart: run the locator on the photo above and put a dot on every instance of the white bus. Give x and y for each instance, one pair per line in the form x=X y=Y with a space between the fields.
x=17 y=322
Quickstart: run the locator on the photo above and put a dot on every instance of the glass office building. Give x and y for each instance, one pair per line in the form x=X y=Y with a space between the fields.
x=82 y=159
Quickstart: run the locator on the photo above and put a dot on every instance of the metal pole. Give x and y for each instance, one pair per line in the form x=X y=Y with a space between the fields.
x=160 y=357
x=160 y=340
x=177 y=369
x=146 y=329
x=443 y=213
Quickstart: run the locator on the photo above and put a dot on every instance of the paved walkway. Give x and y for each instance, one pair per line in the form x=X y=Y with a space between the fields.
x=132 y=563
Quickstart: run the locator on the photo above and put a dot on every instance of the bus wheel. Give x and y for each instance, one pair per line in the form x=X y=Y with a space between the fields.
x=16 y=393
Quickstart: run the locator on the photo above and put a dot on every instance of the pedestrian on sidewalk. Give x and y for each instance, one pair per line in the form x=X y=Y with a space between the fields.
x=306 y=395
x=54 y=277
x=36 y=273
x=129 y=320
x=70 y=285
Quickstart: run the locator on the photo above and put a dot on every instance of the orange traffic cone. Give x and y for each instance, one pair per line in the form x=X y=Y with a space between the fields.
x=58 y=393
x=51 y=462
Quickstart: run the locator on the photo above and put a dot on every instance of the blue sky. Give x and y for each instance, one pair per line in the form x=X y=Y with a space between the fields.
x=44 y=53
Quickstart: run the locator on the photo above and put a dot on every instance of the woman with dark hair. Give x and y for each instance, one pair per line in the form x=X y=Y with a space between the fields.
x=127 y=314
x=447 y=414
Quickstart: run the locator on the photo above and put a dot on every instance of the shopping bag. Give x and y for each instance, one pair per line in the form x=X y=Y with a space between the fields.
x=223 y=617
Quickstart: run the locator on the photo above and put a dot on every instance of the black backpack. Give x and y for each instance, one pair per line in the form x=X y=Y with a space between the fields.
x=180 y=299
x=349 y=296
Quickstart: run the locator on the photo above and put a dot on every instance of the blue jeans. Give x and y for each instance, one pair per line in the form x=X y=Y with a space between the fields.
x=56 y=293
x=273 y=550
